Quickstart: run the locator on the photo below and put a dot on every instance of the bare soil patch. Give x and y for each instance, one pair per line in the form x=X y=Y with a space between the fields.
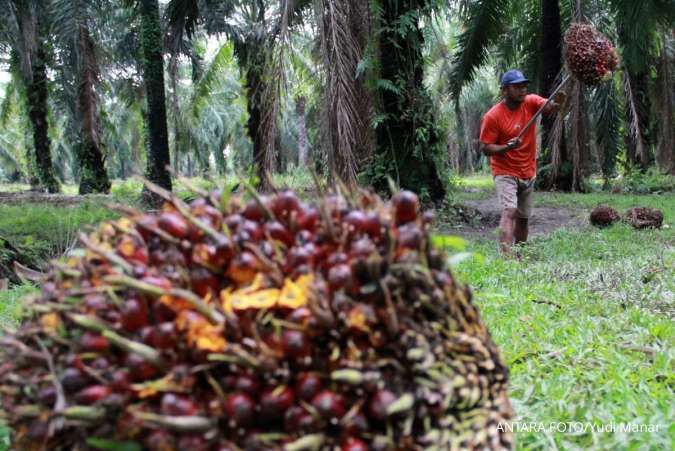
x=480 y=219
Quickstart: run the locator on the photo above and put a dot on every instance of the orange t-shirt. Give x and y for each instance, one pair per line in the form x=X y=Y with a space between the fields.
x=501 y=124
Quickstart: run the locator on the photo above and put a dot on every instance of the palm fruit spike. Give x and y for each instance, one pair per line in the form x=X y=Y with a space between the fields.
x=256 y=323
x=590 y=56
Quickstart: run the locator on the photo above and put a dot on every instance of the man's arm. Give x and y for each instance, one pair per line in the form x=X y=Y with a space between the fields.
x=555 y=104
x=496 y=149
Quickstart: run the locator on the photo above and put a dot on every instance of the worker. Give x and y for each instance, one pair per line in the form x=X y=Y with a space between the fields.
x=513 y=160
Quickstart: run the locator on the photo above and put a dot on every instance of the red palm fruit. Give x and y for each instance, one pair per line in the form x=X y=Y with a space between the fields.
x=356 y=424
x=164 y=335
x=174 y=224
x=233 y=221
x=100 y=364
x=73 y=379
x=240 y=409
x=329 y=404
x=377 y=408
x=92 y=394
x=409 y=236
x=253 y=230
x=134 y=314
x=243 y=268
x=253 y=211
x=247 y=384
x=162 y=313
x=47 y=395
x=284 y=203
x=193 y=443
x=295 y=344
x=356 y=222
x=292 y=417
x=354 y=444
x=297 y=419
x=336 y=258
x=203 y=281
x=139 y=369
x=121 y=380
x=308 y=218
x=93 y=342
x=173 y=404
x=307 y=386
x=373 y=226
x=145 y=225
x=362 y=248
x=299 y=256
x=224 y=251
x=406 y=204
x=275 y=401
x=160 y=440
x=339 y=276
x=278 y=232
x=204 y=254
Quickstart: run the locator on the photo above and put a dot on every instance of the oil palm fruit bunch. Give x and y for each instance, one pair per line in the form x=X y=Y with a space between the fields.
x=644 y=217
x=256 y=323
x=604 y=216
x=590 y=56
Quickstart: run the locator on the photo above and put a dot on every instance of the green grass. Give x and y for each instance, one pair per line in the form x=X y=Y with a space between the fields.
x=10 y=304
x=585 y=322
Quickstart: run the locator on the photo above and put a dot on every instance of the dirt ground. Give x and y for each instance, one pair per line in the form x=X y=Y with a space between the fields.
x=480 y=218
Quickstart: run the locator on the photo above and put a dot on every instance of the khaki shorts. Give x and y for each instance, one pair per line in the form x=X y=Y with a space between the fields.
x=513 y=192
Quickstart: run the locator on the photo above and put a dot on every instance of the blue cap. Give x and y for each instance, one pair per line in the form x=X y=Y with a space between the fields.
x=512 y=77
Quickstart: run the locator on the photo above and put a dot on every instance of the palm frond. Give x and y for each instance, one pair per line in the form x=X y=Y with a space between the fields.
x=607 y=125
x=665 y=101
x=211 y=75
x=345 y=118
x=635 y=127
x=483 y=26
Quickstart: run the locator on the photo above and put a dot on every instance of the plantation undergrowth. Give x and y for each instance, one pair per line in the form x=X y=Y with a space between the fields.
x=584 y=320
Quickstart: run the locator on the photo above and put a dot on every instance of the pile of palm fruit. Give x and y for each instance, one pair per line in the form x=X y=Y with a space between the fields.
x=604 y=216
x=256 y=323
x=590 y=56
x=644 y=217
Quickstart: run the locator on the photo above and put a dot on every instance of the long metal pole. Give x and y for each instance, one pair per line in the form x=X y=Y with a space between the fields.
x=538 y=113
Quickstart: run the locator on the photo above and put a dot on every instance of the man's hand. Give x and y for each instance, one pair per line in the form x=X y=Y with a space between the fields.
x=496 y=149
x=512 y=144
x=557 y=102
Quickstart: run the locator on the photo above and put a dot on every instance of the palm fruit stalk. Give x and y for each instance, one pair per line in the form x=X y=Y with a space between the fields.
x=590 y=56
x=256 y=323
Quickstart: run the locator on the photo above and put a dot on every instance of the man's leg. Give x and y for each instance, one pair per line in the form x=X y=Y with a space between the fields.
x=525 y=190
x=507 y=230
x=520 y=232
x=507 y=193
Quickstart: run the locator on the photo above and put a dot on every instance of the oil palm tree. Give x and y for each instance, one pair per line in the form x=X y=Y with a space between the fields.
x=72 y=22
x=24 y=32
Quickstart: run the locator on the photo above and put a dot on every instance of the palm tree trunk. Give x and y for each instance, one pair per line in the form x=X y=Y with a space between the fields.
x=408 y=139
x=36 y=93
x=93 y=176
x=551 y=58
x=175 y=111
x=300 y=103
x=153 y=76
